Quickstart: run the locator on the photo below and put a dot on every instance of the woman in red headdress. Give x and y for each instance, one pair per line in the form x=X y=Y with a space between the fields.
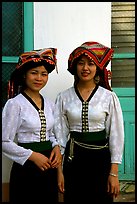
x=89 y=128
x=27 y=136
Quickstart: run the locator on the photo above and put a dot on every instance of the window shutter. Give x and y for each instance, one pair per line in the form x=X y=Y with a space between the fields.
x=123 y=43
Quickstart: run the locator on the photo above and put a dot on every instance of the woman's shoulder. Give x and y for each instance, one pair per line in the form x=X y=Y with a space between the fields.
x=104 y=90
x=67 y=91
x=15 y=100
x=14 y=103
x=108 y=94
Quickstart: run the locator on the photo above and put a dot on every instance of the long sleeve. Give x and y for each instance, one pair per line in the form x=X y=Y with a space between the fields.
x=21 y=124
x=49 y=110
x=10 y=124
x=115 y=129
x=104 y=112
x=61 y=126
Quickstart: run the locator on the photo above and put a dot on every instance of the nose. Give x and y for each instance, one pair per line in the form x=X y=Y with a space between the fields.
x=85 y=66
x=38 y=77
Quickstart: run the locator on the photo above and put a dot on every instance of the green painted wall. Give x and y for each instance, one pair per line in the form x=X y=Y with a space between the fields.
x=127 y=100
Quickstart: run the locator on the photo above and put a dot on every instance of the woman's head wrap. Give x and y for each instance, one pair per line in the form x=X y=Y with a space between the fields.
x=45 y=57
x=100 y=54
x=28 y=60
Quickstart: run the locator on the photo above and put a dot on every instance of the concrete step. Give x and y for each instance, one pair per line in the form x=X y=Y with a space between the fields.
x=127 y=187
x=127 y=192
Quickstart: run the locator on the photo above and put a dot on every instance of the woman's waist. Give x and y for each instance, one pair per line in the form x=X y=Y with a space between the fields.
x=87 y=140
x=89 y=137
x=37 y=146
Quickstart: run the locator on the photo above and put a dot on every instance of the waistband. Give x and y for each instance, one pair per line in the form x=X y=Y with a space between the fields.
x=88 y=137
x=37 y=146
x=88 y=140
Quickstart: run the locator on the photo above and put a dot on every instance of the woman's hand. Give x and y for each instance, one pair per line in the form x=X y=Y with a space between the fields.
x=40 y=160
x=55 y=157
x=60 y=177
x=113 y=185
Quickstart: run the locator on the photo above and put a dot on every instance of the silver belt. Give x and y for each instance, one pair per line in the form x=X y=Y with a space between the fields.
x=84 y=145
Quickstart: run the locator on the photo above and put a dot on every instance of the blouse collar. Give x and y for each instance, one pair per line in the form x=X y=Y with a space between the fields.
x=32 y=102
x=91 y=95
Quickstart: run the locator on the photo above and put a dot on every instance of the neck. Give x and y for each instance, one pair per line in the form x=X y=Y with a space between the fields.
x=85 y=89
x=32 y=94
x=86 y=85
x=35 y=96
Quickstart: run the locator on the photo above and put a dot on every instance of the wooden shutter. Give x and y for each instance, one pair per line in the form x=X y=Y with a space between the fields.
x=123 y=43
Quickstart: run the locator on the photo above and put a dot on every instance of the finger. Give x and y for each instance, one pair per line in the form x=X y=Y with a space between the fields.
x=61 y=188
x=108 y=189
x=46 y=166
x=55 y=163
x=42 y=168
x=51 y=156
x=116 y=192
x=115 y=195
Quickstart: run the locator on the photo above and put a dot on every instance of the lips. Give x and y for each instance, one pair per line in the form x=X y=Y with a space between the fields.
x=36 y=84
x=85 y=74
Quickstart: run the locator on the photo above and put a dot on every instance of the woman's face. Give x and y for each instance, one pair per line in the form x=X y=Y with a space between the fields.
x=86 y=69
x=36 y=78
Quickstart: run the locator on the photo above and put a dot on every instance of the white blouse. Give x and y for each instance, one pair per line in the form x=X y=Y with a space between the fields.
x=21 y=124
x=104 y=112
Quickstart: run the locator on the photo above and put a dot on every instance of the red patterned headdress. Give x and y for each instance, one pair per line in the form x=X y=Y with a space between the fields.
x=100 y=54
x=28 y=60
x=46 y=57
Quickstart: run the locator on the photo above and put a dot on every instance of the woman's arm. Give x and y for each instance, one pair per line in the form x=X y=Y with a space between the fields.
x=113 y=181
x=60 y=178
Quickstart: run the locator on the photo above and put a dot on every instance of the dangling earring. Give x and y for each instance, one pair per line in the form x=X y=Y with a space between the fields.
x=97 y=79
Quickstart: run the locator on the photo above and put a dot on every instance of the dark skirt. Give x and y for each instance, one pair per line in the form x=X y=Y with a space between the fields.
x=28 y=184
x=86 y=175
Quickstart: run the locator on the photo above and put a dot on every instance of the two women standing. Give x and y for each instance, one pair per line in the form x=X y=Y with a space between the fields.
x=85 y=127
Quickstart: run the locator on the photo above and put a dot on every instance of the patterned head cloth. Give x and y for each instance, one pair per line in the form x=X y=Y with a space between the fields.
x=100 y=54
x=46 y=57
x=28 y=60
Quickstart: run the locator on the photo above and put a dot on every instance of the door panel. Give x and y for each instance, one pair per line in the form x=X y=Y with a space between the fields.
x=127 y=101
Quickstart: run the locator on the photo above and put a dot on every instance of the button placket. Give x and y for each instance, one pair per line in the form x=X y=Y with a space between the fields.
x=85 y=126
x=43 y=126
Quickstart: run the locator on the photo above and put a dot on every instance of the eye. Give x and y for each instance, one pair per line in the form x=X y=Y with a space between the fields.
x=81 y=63
x=33 y=72
x=91 y=63
x=45 y=74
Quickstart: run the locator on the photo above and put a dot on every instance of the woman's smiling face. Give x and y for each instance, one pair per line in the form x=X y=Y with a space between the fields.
x=36 y=78
x=86 y=69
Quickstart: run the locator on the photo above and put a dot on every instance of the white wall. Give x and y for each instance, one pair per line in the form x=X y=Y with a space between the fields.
x=66 y=25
